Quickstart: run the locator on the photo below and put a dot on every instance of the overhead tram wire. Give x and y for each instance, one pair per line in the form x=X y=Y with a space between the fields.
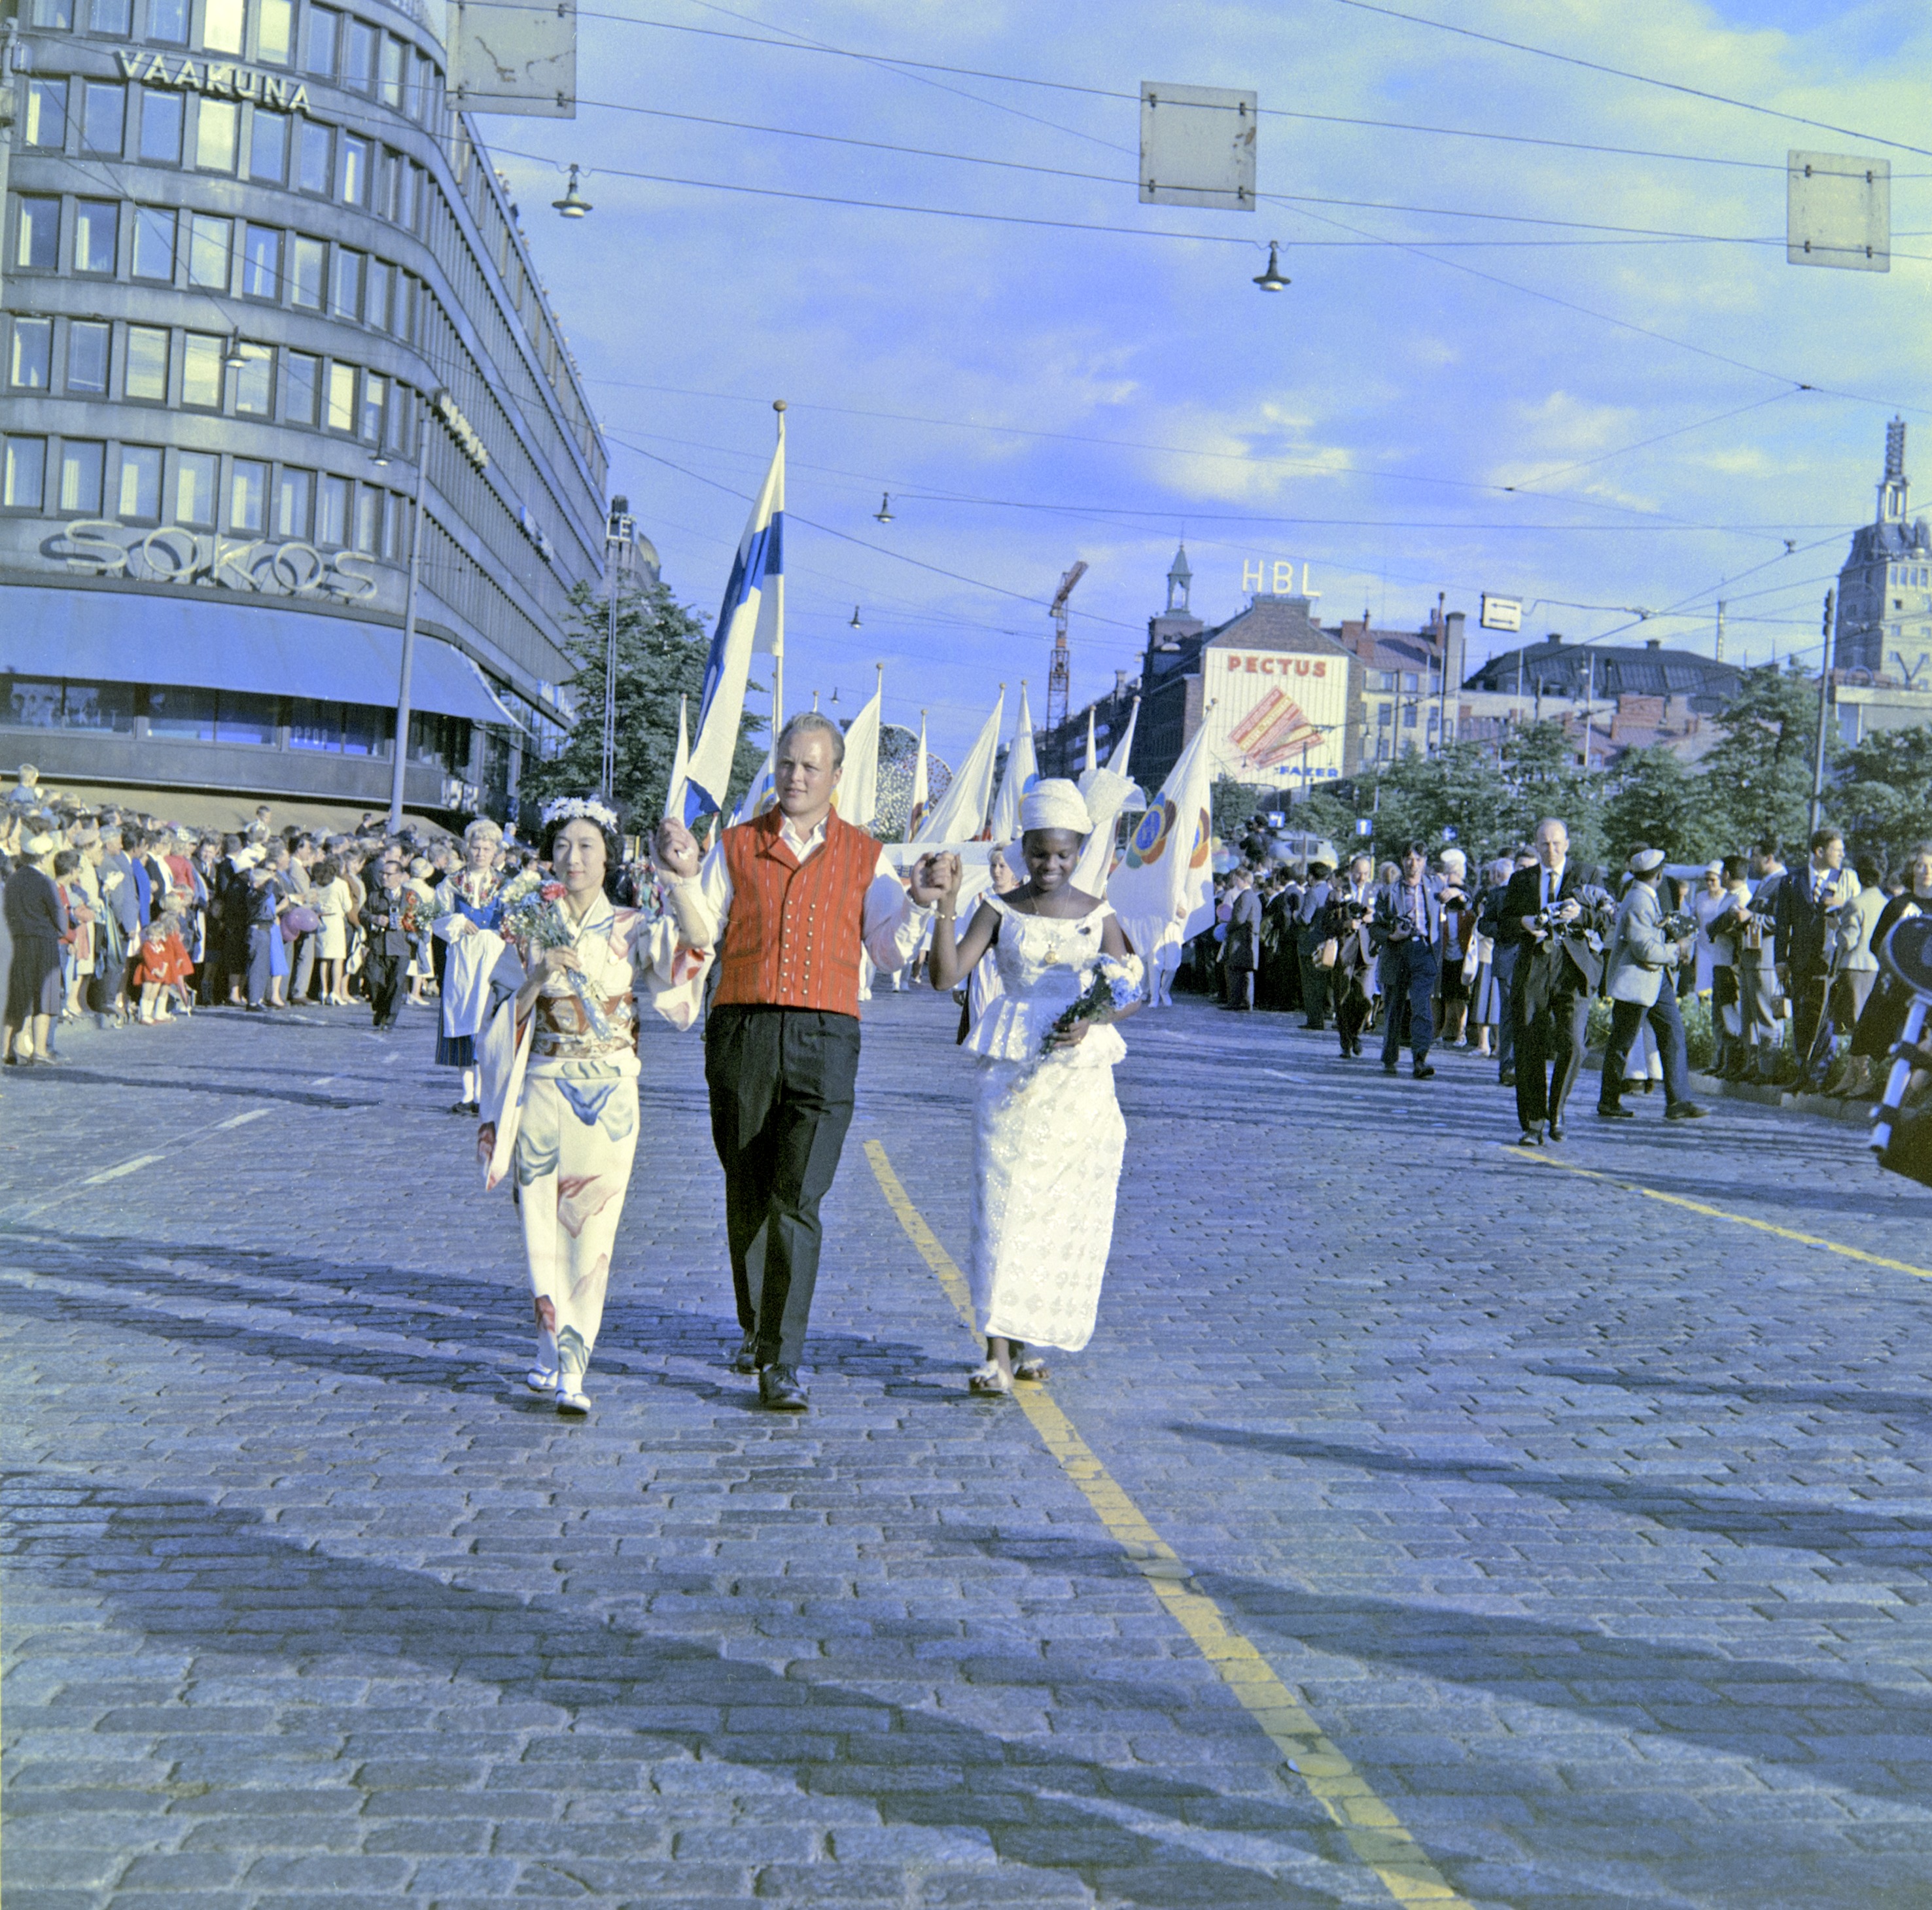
x=1623 y=73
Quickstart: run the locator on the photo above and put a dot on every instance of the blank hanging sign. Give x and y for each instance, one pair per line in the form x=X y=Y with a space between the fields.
x=509 y=58
x=1838 y=211
x=1197 y=146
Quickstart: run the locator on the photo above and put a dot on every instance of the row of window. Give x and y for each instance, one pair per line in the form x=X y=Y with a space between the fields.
x=216 y=374
x=267 y=148
x=234 y=258
x=335 y=46
x=228 y=716
x=76 y=477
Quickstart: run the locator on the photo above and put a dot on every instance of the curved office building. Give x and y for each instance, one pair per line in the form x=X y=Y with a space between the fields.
x=252 y=262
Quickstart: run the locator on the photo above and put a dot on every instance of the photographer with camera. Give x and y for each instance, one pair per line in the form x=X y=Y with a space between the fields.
x=1406 y=928
x=1647 y=946
x=1808 y=901
x=1542 y=915
x=1345 y=948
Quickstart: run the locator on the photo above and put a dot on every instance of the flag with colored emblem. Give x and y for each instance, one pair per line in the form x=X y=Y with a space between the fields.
x=1163 y=891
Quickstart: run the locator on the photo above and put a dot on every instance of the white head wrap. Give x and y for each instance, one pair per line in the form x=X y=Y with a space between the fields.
x=1055 y=803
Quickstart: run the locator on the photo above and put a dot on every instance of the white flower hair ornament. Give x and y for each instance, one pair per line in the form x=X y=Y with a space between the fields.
x=586 y=809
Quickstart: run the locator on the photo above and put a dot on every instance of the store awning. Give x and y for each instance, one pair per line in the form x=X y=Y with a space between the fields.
x=270 y=648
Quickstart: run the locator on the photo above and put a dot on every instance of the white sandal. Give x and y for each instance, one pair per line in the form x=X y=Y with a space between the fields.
x=541 y=1379
x=571 y=1404
x=988 y=1380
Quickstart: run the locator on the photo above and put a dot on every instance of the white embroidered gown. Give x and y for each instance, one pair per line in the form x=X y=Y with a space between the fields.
x=1047 y=1139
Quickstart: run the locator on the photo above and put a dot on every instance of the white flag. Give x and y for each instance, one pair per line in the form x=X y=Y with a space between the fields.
x=1106 y=792
x=1093 y=761
x=1163 y=891
x=679 y=770
x=960 y=815
x=921 y=800
x=752 y=616
x=856 y=798
x=1022 y=772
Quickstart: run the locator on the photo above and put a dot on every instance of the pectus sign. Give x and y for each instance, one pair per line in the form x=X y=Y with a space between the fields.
x=173 y=554
x=220 y=79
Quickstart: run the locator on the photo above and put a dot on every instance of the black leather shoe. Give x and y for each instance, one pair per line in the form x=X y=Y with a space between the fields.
x=1506 y=1078
x=1613 y=1110
x=745 y=1359
x=1423 y=1071
x=1388 y=1067
x=779 y=1388
x=1685 y=1110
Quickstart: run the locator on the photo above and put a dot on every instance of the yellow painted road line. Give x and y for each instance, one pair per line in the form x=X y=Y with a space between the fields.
x=1373 y=1831
x=1719 y=1213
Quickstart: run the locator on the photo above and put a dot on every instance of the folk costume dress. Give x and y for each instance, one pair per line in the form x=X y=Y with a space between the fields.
x=471 y=897
x=560 y=1114
x=1047 y=1137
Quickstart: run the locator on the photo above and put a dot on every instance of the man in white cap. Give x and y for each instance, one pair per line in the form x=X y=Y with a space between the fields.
x=786 y=902
x=1642 y=986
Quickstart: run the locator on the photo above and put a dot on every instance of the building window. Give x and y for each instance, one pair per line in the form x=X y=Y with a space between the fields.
x=374 y=392
x=394 y=54
x=222 y=24
x=246 y=719
x=295 y=496
x=186 y=713
x=140 y=490
x=202 y=370
x=80 y=468
x=352 y=184
x=47 y=112
x=194 y=488
x=331 y=511
x=306 y=281
x=347 y=298
x=341 y=397
x=147 y=373
x=368 y=521
x=57 y=14
x=30 y=363
x=312 y=172
x=319 y=47
x=103 y=118
x=22 y=471
x=262 y=263
x=376 y=299
x=301 y=388
x=268 y=147
x=32 y=705
x=97 y=225
x=406 y=196
x=37 y=241
x=113 y=19
x=248 y=497
x=1409 y=680
x=275 y=31
x=87 y=356
x=255 y=381
x=358 y=56
x=209 y=240
x=1408 y=717
x=216 y=123
x=167 y=19
x=154 y=242
x=160 y=127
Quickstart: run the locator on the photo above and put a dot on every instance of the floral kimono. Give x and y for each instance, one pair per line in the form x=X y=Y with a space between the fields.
x=560 y=1113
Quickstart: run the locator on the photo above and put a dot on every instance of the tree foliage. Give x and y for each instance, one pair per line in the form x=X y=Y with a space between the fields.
x=661 y=649
x=1656 y=801
x=1759 y=777
x=1883 y=800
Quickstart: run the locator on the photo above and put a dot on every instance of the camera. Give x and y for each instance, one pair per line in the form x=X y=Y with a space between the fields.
x=1679 y=925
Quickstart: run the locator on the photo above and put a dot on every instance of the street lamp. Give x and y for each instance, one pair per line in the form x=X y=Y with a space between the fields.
x=573 y=205
x=1273 y=279
x=402 y=744
x=884 y=513
x=620 y=529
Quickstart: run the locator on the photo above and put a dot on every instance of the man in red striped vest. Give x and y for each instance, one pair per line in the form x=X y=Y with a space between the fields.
x=787 y=902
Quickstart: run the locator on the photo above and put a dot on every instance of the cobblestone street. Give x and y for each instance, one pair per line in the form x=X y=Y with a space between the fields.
x=1585 y=1518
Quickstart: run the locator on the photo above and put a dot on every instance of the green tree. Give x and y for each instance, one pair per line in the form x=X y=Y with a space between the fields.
x=1656 y=801
x=1760 y=774
x=1883 y=797
x=1539 y=762
x=661 y=649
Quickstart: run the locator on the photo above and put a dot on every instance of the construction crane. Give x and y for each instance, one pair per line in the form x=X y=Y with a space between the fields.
x=1060 y=676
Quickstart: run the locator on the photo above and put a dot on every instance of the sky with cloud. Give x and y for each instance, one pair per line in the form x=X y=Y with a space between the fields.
x=1521 y=365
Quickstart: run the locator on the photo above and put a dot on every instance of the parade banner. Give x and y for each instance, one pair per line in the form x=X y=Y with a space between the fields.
x=1163 y=891
x=960 y=815
x=1022 y=772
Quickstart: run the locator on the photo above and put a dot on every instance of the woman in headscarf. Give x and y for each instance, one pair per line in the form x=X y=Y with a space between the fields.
x=37 y=919
x=468 y=913
x=1048 y=1135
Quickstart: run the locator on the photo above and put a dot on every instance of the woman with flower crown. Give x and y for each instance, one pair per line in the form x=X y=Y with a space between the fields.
x=1048 y=1138
x=559 y=1079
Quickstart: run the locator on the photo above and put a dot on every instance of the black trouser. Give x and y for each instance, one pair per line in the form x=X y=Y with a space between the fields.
x=1502 y=973
x=1353 y=1005
x=1666 y=1023
x=1552 y=1011
x=1409 y=973
x=781 y=1083
x=1314 y=991
x=384 y=974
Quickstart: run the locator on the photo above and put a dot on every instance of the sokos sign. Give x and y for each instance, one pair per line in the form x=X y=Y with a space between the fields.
x=175 y=555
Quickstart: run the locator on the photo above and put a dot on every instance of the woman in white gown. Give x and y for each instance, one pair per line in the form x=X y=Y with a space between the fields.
x=1048 y=1136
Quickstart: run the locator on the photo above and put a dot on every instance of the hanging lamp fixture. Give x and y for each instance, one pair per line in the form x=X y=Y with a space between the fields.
x=573 y=205
x=1273 y=279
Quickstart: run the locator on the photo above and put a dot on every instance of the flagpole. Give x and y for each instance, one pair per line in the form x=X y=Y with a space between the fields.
x=778 y=603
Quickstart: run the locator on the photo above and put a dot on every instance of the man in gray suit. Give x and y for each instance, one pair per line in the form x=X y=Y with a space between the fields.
x=1406 y=928
x=1642 y=985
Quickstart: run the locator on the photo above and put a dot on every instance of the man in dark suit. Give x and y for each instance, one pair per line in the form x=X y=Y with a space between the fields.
x=387 y=954
x=1242 y=954
x=1802 y=911
x=1309 y=935
x=1407 y=928
x=1556 y=975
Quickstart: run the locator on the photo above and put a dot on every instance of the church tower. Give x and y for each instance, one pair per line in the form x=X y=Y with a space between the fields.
x=1884 y=590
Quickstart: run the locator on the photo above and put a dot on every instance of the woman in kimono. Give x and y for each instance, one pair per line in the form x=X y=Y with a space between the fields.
x=1047 y=1137
x=467 y=914
x=560 y=1082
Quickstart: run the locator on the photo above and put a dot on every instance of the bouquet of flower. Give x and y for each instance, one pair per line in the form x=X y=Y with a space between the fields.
x=419 y=913
x=533 y=918
x=1113 y=987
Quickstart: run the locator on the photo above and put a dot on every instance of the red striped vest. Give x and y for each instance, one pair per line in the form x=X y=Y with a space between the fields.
x=794 y=936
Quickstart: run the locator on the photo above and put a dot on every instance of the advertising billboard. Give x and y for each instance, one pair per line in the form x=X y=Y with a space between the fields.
x=1275 y=716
